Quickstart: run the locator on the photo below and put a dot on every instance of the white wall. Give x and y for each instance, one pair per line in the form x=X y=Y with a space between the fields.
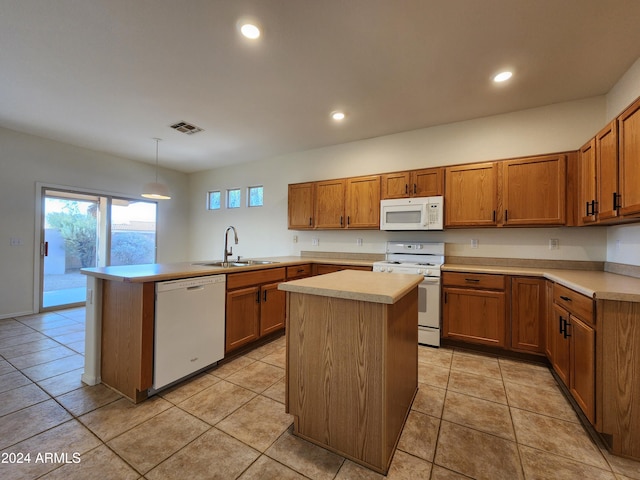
x=263 y=231
x=623 y=242
x=26 y=160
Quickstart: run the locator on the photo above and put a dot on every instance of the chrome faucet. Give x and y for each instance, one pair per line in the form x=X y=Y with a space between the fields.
x=228 y=251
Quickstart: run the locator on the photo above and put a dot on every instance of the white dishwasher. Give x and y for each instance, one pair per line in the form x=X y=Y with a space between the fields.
x=189 y=327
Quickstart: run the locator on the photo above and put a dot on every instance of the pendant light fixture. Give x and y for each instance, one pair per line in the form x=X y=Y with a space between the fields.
x=155 y=190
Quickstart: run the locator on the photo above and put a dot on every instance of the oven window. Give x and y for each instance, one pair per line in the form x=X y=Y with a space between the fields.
x=422 y=299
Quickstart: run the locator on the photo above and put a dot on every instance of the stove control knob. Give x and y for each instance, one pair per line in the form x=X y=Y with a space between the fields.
x=427 y=272
x=390 y=269
x=382 y=269
x=420 y=271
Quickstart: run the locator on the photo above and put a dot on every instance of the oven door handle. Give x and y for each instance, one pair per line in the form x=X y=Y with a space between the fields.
x=432 y=280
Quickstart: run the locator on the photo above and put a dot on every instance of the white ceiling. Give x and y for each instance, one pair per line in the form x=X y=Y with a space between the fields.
x=110 y=75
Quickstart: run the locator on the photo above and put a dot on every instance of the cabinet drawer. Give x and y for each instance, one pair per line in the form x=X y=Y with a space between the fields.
x=298 y=271
x=255 y=277
x=574 y=302
x=473 y=280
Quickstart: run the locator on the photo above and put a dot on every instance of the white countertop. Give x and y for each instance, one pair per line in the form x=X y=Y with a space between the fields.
x=595 y=284
x=375 y=287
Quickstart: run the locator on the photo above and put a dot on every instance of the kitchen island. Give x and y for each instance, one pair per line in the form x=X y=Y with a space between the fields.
x=352 y=361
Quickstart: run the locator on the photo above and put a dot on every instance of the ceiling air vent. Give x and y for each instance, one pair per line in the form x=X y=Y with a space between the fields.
x=185 y=127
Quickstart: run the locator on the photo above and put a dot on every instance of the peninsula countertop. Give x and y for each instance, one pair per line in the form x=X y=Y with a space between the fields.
x=375 y=287
x=157 y=272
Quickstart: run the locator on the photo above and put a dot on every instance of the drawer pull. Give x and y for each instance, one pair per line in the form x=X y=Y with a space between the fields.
x=566 y=299
x=471 y=280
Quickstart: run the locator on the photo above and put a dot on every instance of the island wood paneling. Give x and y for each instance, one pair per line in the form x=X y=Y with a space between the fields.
x=618 y=375
x=351 y=373
x=127 y=337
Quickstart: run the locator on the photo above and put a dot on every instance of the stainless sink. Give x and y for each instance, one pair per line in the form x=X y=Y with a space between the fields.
x=243 y=263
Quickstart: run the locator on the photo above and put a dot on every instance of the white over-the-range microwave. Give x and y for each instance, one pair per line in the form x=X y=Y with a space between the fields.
x=418 y=213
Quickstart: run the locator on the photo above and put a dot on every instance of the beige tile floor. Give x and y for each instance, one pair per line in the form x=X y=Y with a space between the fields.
x=474 y=416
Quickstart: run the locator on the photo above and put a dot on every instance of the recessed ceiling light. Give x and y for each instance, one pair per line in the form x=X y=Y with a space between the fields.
x=337 y=115
x=502 y=76
x=250 y=30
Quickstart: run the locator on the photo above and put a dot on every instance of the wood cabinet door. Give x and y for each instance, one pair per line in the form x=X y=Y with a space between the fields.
x=300 y=206
x=607 y=165
x=534 y=191
x=427 y=182
x=476 y=316
x=587 y=197
x=329 y=204
x=528 y=308
x=395 y=185
x=561 y=358
x=272 y=308
x=551 y=323
x=243 y=317
x=471 y=195
x=629 y=160
x=363 y=202
x=582 y=377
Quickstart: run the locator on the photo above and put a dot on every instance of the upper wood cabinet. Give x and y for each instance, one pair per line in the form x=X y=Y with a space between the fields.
x=534 y=191
x=417 y=183
x=301 y=206
x=606 y=143
x=471 y=195
x=329 y=204
x=334 y=204
x=363 y=202
x=588 y=194
x=629 y=160
x=520 y=192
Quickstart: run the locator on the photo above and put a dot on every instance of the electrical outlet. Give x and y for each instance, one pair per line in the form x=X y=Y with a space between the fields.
x=359 y=242
x=315 y=242
x=554 y=244
x=295 y=239
x=474 y=243
x=16 y=242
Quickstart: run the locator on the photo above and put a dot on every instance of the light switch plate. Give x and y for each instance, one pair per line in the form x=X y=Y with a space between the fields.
x=554 y=244
x=315 y=242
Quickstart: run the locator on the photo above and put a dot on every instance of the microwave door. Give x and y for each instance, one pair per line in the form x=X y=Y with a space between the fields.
x=402 y=217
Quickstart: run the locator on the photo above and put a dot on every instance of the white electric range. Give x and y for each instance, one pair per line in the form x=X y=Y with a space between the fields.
x=426 y=259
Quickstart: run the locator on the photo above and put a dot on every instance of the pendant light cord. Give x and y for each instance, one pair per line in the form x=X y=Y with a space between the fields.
x=157 y=142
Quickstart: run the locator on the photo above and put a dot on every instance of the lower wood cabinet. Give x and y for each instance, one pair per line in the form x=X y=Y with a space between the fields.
x=321 y=268
x=574 y=346
x=528 y=314
x=474 y=308
x=255 y=306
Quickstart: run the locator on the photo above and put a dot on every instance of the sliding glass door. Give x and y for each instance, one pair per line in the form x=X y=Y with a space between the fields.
x=81 y=230
x=70 y=243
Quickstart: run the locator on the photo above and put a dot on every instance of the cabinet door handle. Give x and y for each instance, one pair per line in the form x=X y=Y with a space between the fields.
x=587 y=212
x=566 y=299
x=594 y=208
x=566 y=329
x=616 y=198
x=264 y=297
x=348 y=219
x=506 y=215
x=415 y=188
x=341 y=219
x=406 y=189
x=446 y=297
x=310 y=221
x=258 y=296
x=560 y=320
x=494 y=215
